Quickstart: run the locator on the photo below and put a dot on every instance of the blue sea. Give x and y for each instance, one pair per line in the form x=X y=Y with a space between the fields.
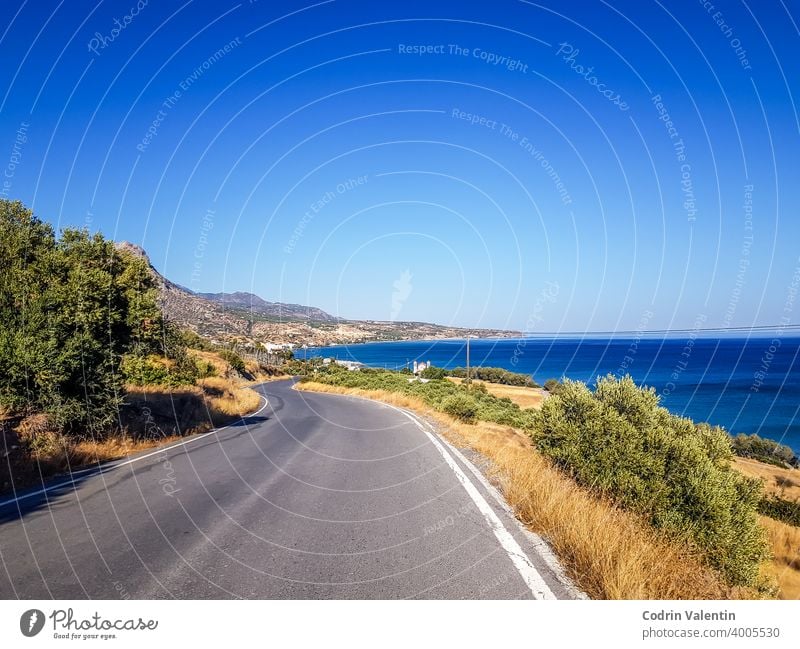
x=747 y=385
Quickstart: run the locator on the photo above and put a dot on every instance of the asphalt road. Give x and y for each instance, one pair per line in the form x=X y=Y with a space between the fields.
x=315 y=496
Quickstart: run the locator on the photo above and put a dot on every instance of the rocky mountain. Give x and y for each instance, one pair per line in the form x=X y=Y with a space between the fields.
x=248 y=319
x=243 y=301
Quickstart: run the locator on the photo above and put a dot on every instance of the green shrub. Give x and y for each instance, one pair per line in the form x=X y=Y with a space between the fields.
x=462 y=407
x=233 y=359
x=193 y=340
x=300 y=367
x=184 y=370
x=552 y=385
x=677 y=474
x=764 y=450
x=781 y=509
x=153 y=370
x=432 y=372
x=478 y=387
x=144 y=370
x=70 y=307
x=496 y=375
x=434 y=393
x=205 y=369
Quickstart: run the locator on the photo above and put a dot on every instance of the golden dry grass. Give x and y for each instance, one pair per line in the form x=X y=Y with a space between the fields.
x=523 y=397
x=259 y=376
x=221 y=366
x=610 y=553
x=223 y=369
x=215 y=401
x=112 y=448
x=777 y=481
x=154 y=415
x=785 y=566
x=51 y=452
x=784 y=539
x=228 y=398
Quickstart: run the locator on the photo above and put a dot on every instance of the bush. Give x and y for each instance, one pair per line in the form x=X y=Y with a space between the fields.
x=143 y=370
x=432 y=372
x=781 y=509
x=496 y=375
x=552 y=386
x=70 y=307
x=298 y=367
x=434 y=393
x=677 y=474
x=155 y=370
x=193 y=340
x=233 y=359
x=764 y=450
x=184 y=370
x=462 y=407
x=205 y=369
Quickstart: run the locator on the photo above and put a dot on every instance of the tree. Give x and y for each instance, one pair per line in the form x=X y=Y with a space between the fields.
x=27 y=247
x=69 y=309
x=552 y=386
x=432 y=372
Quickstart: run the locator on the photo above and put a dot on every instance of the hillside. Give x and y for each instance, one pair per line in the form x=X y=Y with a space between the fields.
x=248 y=302
x=246 y=318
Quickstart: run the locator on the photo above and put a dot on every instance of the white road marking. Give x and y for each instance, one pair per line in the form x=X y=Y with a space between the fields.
x=522 y=563
x=109 y=467
x=542 y=548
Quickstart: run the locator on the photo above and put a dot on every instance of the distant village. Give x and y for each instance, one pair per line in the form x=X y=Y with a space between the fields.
x=278 y=353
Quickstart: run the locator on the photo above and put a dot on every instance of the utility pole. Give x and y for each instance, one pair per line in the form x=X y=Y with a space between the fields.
x=468 y=373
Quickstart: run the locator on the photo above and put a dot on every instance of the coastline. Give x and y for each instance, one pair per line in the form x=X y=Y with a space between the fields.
x=714 y=384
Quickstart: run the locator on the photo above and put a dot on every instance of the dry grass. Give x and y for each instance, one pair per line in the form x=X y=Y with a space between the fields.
x=785 y=567
x=153 y=416
x=260 y=376
x=227 y=398
x=50 y=452
x=611 y=554
x=523 y=397
x=778 y=481
x=214 y=401
x=221 y=367
x=112 y=448
x=784 y=539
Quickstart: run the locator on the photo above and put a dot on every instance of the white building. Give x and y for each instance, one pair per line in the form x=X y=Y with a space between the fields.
x=277 y=347
x=421 y=366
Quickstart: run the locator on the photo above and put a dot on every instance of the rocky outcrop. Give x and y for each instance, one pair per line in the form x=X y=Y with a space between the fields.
x=242 y=317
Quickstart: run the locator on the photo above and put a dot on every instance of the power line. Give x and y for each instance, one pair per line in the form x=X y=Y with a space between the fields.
x=646 y=332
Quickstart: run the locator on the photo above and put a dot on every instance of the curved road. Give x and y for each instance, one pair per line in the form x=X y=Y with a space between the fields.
x=314 y=496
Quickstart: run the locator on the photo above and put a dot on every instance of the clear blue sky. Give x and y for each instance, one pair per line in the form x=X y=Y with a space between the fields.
x=209 y=132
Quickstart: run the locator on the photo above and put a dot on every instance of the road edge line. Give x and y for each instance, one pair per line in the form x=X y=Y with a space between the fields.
x=105 y=468
x=530 y=575
x=541 y=546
